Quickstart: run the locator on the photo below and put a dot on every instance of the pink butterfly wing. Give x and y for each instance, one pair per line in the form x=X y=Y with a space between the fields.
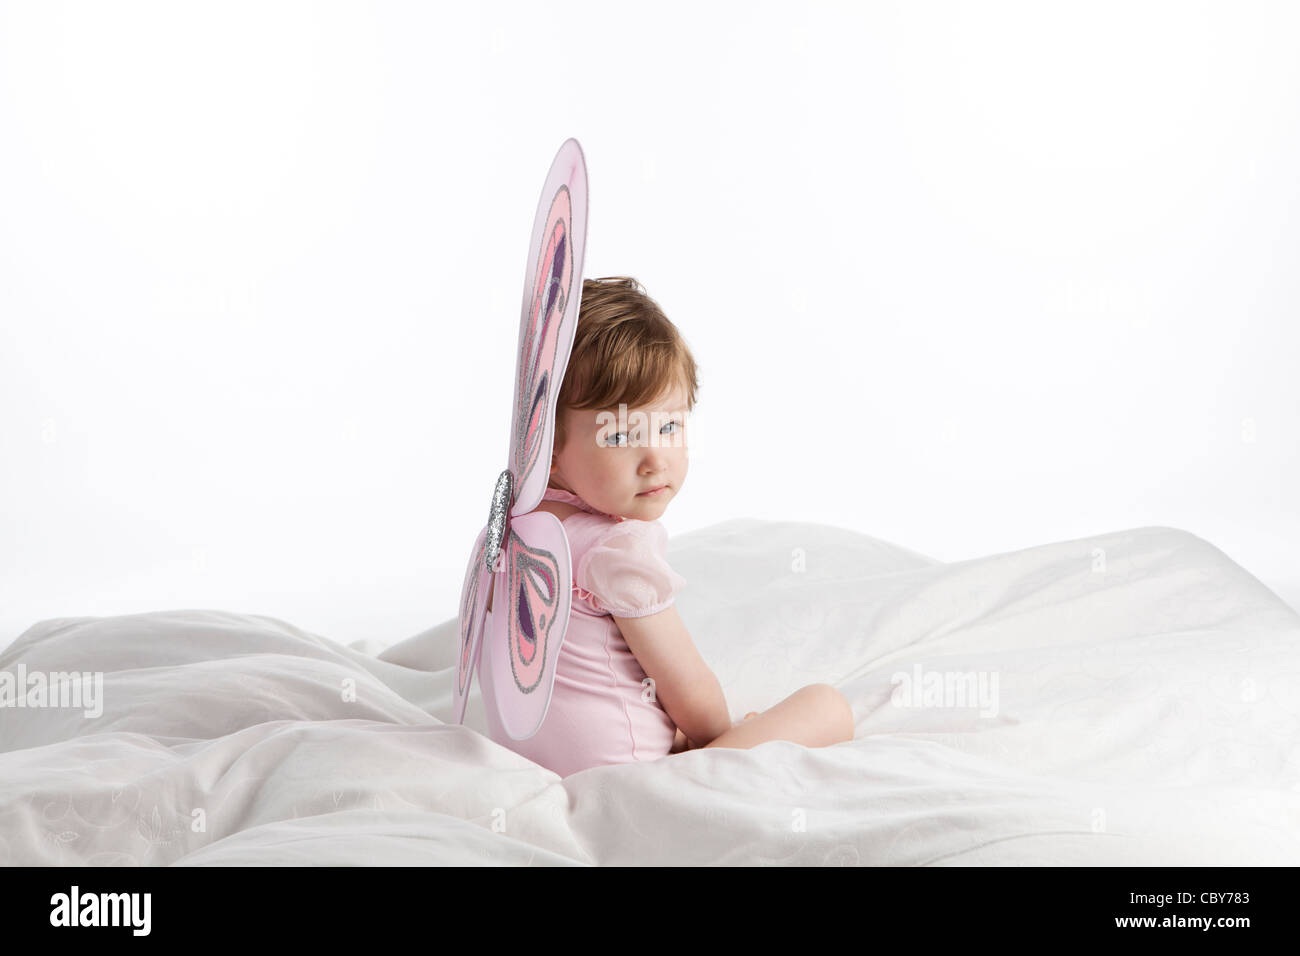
x=552 y=294
x=524 y=636
x=527 y=628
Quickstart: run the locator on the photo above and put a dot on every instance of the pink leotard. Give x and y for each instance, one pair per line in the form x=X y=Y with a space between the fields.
x=602 y=709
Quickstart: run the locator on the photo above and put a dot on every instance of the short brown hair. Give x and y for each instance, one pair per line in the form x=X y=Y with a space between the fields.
x=625 y=350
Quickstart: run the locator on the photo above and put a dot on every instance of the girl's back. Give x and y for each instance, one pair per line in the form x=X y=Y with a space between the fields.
x=602 y=709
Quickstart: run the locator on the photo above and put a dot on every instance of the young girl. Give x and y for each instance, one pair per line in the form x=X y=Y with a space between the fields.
x=629 y=682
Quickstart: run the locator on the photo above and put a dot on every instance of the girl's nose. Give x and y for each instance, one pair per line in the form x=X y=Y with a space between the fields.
x=653 y=460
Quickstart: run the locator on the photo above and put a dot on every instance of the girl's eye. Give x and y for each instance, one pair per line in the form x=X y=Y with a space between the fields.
x=613 y=442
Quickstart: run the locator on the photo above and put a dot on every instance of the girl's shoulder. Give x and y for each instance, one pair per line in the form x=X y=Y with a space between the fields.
x=587 y=530
x=583 y=529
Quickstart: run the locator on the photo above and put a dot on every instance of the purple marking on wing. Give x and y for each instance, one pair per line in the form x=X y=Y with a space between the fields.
x=557 y=272
x=527 y=632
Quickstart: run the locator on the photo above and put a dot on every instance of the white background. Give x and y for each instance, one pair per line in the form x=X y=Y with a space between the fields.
x=966 y=277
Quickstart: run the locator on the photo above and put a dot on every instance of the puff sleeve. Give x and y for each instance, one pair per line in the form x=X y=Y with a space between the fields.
x=626 y=571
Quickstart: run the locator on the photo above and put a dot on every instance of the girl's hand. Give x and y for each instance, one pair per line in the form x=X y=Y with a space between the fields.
x=682 y=743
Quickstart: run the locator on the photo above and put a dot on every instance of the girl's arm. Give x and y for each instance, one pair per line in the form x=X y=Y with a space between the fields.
x=683 y=683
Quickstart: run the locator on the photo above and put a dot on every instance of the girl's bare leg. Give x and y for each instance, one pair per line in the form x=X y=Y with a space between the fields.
x=816 y=716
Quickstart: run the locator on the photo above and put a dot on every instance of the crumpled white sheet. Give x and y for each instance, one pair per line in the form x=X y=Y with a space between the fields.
x=1147 y=713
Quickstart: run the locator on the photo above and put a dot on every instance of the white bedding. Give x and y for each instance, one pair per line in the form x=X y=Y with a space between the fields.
x=1147 y=712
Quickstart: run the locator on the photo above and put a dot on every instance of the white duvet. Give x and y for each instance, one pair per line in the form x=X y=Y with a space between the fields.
x=1140 y=705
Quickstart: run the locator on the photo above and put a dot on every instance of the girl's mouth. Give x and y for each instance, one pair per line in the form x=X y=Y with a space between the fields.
x=653 y=492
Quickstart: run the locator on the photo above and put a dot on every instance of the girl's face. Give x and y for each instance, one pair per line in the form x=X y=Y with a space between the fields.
x=610 y=463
